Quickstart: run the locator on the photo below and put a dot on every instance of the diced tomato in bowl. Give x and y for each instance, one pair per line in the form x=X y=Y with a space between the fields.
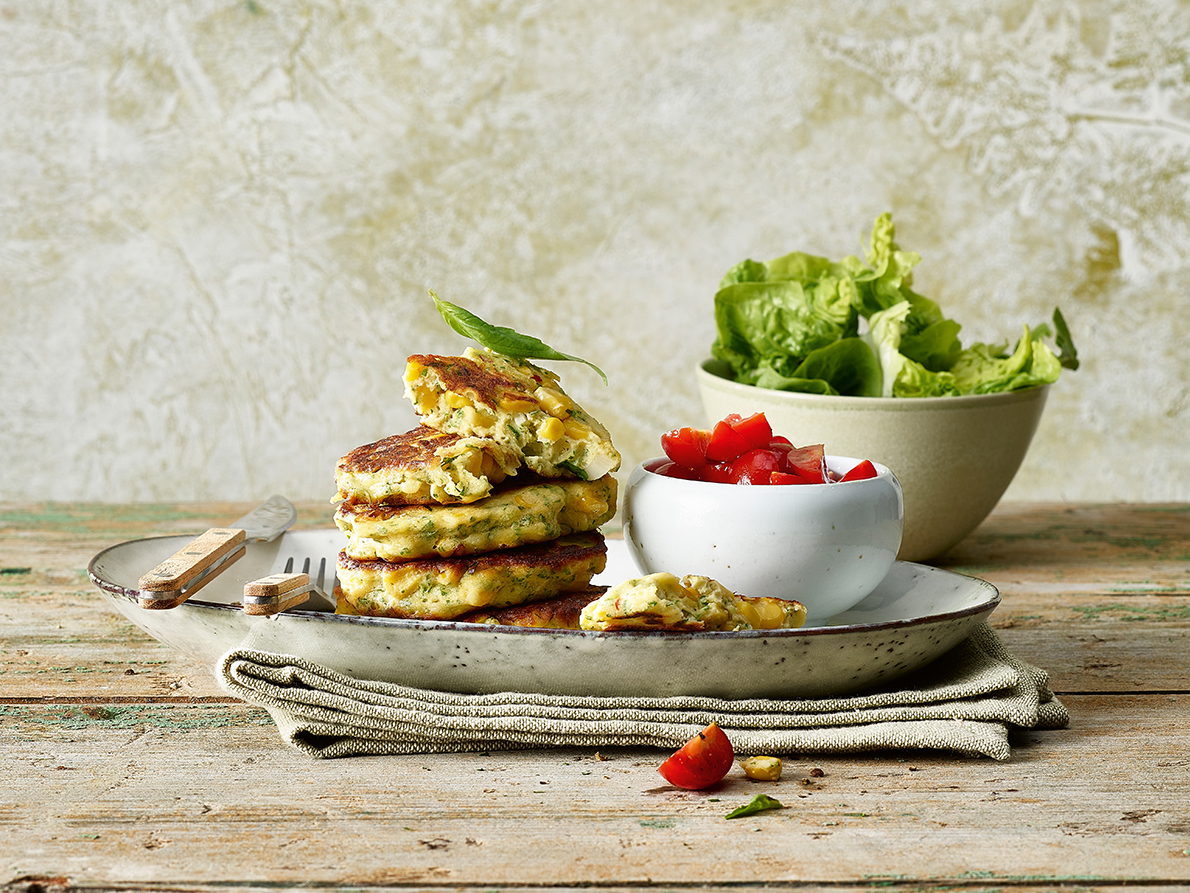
x=739 y=450
x=796 y=523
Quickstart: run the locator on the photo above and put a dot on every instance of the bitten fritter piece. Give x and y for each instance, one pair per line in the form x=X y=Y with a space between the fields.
x=423 y=466
x=518 y=513
x=691 y=604
x=518 y=404
x=559 y=612
x=445 y=588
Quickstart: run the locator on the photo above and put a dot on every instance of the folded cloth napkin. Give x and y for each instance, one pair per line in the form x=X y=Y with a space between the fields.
x=965 y=702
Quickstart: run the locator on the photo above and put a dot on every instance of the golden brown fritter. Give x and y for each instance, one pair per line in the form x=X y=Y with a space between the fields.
x=518 y=404
x=693 y=604
x=521 y=510
x=560 y=612
x=444 y=588
x=423 y=466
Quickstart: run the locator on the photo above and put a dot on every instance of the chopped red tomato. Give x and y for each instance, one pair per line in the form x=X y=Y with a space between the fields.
x=726 y=443
x=784 y=477
x=808 y=462
x=686 y=446
x=756 y=430
x=717 y=473
x=701 y=761
x=755 y=467
x=677 y=470
x=861 y=472
x=741 y=450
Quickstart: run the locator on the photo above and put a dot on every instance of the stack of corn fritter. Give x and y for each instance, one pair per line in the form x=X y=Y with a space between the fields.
x=494 y=500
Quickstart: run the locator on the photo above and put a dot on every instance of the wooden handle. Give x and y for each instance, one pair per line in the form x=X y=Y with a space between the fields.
x=275 y=593
x=171 y=598
x=191 y=560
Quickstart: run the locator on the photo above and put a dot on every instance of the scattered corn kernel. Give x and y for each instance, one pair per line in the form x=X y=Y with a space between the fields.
x=762 y=768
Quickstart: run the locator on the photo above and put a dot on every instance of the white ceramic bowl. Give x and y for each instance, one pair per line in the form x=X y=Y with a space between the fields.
x=954 y=456
x=825 y=545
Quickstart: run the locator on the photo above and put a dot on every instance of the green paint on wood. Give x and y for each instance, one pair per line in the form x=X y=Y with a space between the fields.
x=176 y=717
x=1126 y=612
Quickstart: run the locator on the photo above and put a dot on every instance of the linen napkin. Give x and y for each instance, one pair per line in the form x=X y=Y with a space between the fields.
x=963 y=702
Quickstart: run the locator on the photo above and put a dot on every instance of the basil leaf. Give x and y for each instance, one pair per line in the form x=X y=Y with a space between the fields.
x=501 y=339
x=759 y=803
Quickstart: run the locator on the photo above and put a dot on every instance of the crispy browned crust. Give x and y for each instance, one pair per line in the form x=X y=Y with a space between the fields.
x=551 y=555
x=413 y=449
x=463 y=375
x=560 y=612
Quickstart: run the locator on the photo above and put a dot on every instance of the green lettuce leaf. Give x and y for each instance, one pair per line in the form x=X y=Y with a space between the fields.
x=984 y=370
x=847 y=367
x=757 y=321
x=792 y=324
x=937 y=346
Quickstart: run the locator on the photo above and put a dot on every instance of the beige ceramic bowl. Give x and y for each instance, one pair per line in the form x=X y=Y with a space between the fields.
x=954 y=456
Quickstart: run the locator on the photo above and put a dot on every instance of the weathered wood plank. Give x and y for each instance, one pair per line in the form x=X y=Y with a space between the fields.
x=1087 y=643
x=1080 y=657
x=204 y=794
x=1022 y=884
x=1091 y=540
x=1094 y=624
x=126 y=765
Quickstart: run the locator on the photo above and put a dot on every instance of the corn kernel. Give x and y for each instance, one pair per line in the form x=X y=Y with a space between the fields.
x=762 y=768
x=554 y=402
x=763 y=614
x=577 y=430
x=552 y=430
x=591 y=505
x=516 y=404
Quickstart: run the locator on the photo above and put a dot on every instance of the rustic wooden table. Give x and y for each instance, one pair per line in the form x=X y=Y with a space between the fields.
x=126 y=766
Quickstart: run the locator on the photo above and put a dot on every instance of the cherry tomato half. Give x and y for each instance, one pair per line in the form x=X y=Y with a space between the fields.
x=686 y=446
x=861 y=472
x=756 y=430
x=701 y=761
x=726 y=444
x=808 y=462
x=756 y=466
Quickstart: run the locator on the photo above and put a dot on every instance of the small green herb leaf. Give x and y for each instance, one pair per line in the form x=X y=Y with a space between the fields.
x=501 y=339
x=759 y=803
x=574 y=469
x=1068 y=355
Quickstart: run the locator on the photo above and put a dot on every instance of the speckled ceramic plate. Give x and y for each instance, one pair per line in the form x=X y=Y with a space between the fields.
x=915 y=615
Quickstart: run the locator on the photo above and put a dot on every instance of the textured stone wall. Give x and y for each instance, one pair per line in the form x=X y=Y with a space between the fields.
x=219 y=221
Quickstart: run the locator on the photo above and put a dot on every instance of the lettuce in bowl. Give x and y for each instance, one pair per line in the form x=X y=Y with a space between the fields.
x=857 y=328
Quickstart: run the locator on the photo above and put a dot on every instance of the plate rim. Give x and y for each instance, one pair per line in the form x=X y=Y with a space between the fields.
x=987 y=605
